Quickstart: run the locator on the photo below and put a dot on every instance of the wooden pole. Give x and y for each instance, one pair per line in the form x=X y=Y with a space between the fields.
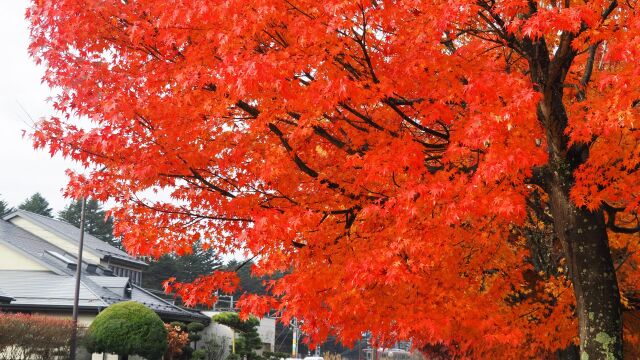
x=76 y=296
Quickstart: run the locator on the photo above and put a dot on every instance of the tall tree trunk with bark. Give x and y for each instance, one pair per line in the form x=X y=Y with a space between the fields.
x=581 y=232
x=585 y=243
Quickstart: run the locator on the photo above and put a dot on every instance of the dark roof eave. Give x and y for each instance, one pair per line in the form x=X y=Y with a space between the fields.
x=141 y=265
x=46 y=307
x=181 y=316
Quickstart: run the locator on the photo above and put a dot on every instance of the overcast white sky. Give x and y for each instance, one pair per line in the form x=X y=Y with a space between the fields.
x=23 y=171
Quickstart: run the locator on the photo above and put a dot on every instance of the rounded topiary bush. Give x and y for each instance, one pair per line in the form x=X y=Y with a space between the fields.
x=128 y=328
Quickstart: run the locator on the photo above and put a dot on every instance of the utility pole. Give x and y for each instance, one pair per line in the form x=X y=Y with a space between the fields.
x=233 y=341
x=374 y=348
x=76 y=296
x=294 y=345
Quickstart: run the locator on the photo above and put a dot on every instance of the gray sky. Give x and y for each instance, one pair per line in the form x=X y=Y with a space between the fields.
x=24 y=170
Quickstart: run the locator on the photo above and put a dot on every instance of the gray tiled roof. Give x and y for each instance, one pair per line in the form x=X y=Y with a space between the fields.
x=45 y=288
x=72 y=234
x=160 y=305
x=4 y=295
x=56 y=288
x=110 y=281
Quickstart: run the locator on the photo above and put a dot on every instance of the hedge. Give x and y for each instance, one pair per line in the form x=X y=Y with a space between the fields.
x=34 y=337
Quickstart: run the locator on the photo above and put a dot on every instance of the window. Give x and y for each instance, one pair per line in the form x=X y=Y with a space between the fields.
x=133 y=274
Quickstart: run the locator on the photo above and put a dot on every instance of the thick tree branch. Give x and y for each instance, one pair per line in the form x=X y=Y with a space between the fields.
x=211 y=185
x=417 y=125
x=611 y=220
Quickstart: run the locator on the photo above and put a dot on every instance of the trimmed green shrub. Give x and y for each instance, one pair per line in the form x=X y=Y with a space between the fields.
x=128 y=328
x=232 y=320
x=198 y=355
x=195 y=327
x=194 y=330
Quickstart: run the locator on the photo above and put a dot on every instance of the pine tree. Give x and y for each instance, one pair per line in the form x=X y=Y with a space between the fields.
x=248 y=282
x=96 y=221
x=160 y=270
x=4 y=207
x=37 y=204
x=184 y=268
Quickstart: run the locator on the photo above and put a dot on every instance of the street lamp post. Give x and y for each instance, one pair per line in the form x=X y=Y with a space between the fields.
x=294 y=345
x=76 y=296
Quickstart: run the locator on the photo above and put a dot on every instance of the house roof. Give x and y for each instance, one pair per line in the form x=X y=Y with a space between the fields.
x=41 y=289
x=5 y=298
x=55 y=288
x=72 y=234
x=45 y=288
x=110 y=281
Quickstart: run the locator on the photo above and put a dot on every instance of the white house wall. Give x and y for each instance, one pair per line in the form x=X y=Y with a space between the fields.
x=267 y=331
x=218 y=331
x=11 y=259
x=69 y=247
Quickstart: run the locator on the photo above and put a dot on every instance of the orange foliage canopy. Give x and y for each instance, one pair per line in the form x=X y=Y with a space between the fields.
x=380 y=152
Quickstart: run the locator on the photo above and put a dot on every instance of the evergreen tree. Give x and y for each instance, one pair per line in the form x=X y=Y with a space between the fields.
x=37 y=204
x=184 y=268
x=4 y=207
x=249 y=283
x=96 y=222
x=160 y=270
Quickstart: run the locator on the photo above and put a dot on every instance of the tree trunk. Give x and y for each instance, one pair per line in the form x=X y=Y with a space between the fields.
x=583 y=236
x=582 y=233
x=571 y=352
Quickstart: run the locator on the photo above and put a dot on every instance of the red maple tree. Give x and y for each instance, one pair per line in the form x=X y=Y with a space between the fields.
x=448 y=172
